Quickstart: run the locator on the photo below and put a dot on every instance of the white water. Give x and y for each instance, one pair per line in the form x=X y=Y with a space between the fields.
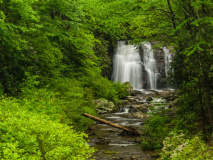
x=150 y=65
x=127 y=65
x=168 y=60
x=126 y=110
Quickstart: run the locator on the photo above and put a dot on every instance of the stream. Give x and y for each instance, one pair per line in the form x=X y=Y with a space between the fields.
x=112 y=143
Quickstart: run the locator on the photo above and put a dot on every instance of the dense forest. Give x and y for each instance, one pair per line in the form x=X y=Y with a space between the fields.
x=56 y=59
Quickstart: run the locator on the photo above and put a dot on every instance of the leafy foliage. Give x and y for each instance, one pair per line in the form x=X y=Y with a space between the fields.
x=178 y=147
x=64 y=100
x=155 y=131
x=28 y=135
x=53 y=53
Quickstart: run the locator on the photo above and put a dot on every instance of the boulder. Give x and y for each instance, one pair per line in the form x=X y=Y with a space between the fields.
x=104 y=106
x=131 y=98
x=142 y=107
x=139 y=115
x=132 y=109
x=149 y=99
x=123 y=102
x=134 y=158
x=169 y=95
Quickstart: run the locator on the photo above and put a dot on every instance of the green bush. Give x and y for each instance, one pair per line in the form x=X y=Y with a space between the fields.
x=103 y=88
x=64 y=100
x=155 y=131
x=187 y=122
x=28 y=135
x=188 y=113
x=177 y=147
x=121 y=90
x=75 y=99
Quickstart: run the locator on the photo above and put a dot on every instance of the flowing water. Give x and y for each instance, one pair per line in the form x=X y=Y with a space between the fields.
x=127 y=66
x=150 y=65
x=111 y=145
x=168 y=60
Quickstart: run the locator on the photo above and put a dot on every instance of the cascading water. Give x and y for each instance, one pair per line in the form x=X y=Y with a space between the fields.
x=168 y=60
x=127 y=65
x=150 y=65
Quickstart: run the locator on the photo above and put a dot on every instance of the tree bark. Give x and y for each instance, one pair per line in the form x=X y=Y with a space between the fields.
x=204 y=119
x=207 y=100
x=173 y=15
x=111 y=124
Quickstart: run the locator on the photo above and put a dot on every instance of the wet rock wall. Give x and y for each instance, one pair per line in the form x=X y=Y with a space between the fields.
x=159 y=56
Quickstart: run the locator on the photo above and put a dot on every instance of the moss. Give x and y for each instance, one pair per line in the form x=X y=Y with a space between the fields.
x=110 y=152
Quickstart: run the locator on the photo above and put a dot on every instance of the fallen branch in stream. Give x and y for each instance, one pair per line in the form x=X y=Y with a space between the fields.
x=132 y=131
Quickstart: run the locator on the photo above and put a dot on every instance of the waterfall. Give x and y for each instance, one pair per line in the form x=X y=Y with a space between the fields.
x=127 y=65
x=150 y=65
x=168 y=60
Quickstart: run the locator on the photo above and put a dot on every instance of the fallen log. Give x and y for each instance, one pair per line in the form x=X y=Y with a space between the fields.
x=133 y=131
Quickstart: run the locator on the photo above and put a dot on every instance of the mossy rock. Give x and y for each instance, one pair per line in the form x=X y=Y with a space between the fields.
x=149 y=99
x=129 y=86
x=104 y=106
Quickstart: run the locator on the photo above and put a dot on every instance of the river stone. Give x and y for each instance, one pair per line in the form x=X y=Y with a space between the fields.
x=139 y=115
x=131 y=99
x=103 y=141
x=123 y=102
x=149 y=99
x=143 y=107
x=132 y=109
x=100 y=111
x=134 y=158
x=137 y=92
x=104 y=106
x=169 y=95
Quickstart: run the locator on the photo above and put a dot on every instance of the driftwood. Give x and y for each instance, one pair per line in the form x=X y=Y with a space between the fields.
x=132 y=131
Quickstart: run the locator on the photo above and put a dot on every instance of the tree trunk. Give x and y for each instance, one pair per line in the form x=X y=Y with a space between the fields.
x=204 y=119
x=173 y=15
x=207 y=100
x=112 y=124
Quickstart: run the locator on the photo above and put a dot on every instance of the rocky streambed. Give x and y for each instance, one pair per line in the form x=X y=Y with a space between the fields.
x=114 y=144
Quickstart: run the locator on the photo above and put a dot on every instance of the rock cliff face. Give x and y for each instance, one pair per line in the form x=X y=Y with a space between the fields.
x=159 y=55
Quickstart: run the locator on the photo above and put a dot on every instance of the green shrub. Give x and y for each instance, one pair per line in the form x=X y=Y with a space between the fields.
x=177 y=147
x=121 y=90
x=75 y=99
x=187 y=122
x=188 y=113
x=28 y=135
x=103 y=88
x=155 y=131
x=63 y=100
